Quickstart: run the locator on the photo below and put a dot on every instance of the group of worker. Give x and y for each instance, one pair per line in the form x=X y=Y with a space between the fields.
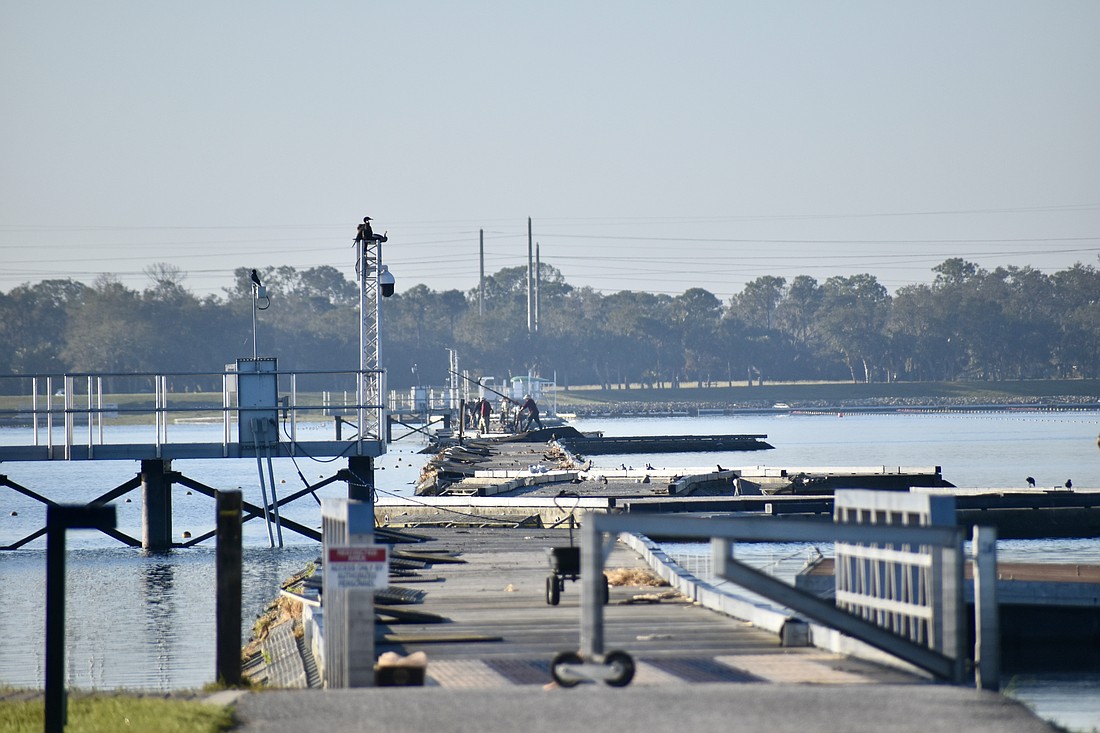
x=524 y=418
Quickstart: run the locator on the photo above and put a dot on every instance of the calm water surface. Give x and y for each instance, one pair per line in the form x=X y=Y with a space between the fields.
x=146 y=621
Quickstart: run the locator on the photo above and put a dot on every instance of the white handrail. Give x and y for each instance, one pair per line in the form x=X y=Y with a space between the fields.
x=95 y=404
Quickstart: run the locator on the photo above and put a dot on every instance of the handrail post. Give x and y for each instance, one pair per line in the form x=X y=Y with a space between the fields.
x=293 y=407
x=164 y=403
x=99 y=392
x=156 y=411
x=226 y=407
x=955 y=608
x=34 y=408
x=592 y=637
x=987 y=629
x=70 y=399
x=90 y=426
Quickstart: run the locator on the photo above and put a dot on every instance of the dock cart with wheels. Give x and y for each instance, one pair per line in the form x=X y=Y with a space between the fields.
x=569 y=669
x=565 y=562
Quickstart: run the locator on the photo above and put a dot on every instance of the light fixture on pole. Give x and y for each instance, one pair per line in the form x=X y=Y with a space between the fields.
x=259 y=292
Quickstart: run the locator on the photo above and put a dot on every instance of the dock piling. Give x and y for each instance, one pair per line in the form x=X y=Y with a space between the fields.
x=156 y=505
x=228 y=580
x=59 y=518
x=361 y=481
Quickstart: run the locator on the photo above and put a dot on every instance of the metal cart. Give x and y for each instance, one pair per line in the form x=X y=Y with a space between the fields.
x=565 y=562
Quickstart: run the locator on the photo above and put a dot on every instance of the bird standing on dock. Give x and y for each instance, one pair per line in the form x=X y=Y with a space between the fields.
x=1069 y=484
x=1030 y=482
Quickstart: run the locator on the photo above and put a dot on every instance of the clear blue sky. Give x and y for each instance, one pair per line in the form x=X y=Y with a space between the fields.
x=657 y=146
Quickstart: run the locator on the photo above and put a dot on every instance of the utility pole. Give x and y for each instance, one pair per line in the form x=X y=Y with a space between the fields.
x=538 y=278
x=481 y=280
x=530 y=281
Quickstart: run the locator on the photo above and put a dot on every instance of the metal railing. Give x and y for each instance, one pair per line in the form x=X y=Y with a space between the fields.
x=947 y=662
x=899 y=587
x=62 y=412
x=420 y=400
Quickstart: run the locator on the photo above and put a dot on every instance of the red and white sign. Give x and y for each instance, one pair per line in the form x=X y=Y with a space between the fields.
x=357 y=566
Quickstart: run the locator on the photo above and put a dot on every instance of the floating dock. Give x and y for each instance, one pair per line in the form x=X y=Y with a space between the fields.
x=497 y=464
x=500 y=482
x=600 y=445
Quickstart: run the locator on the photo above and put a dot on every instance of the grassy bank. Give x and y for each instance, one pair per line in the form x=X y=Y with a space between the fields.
x=112 y=713
x=839 y=394
x=138 y=408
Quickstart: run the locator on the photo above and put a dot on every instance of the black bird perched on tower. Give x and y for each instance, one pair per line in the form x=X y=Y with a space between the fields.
x=1030 y=482
x=255 y=277
x=1069 y=484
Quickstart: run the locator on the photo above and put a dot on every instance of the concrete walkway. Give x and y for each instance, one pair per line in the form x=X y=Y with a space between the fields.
x=772 y=708
x=488 y=667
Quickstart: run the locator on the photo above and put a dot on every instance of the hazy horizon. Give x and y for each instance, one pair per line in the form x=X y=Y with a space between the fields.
x=655 y=147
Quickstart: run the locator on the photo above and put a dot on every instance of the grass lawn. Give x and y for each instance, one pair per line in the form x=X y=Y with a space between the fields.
x=838 y=393
x=136 y=409
x=115 y=713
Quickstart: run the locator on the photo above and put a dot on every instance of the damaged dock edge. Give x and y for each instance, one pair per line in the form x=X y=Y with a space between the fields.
x=479 y=510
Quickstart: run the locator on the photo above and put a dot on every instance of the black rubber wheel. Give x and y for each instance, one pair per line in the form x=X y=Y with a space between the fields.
x=566 y=658
x=553 y=591
x=623 y=666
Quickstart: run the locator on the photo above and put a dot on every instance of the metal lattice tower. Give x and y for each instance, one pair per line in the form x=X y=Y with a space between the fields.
x=371 y=382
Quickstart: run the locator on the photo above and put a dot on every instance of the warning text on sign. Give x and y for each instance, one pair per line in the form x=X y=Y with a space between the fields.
x=357 y=566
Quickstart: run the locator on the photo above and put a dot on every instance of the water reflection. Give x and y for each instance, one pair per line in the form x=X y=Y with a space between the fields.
x=132 y=620
x=160 y=610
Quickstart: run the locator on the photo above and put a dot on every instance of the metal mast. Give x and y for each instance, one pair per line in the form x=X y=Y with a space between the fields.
x=371 y=382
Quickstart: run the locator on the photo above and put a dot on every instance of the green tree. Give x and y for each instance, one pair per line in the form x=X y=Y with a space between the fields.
x=854 y=317
x=33 y=323
x=759 y=300
x=109 y=331
x=1078 y=349
x=696 y=315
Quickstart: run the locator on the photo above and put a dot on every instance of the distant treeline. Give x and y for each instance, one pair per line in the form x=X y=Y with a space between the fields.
x=970 y=323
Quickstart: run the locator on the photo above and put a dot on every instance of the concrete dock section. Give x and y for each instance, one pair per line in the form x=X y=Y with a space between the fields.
x=489 y=659
x=719 y=707
x=501 y=630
